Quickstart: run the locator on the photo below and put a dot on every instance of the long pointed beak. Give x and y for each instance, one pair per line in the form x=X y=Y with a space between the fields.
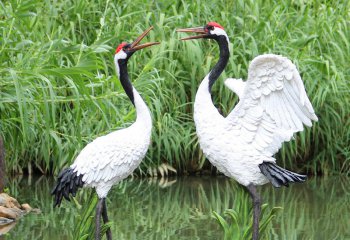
x=198 y=30
x=138 y=47
x=134 y=46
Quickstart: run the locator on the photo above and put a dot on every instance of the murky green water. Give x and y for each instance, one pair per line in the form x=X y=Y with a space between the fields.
x=182 y=209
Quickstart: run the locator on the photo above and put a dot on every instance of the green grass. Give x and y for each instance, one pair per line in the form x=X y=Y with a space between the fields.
x=59 y=91
x=241 y=228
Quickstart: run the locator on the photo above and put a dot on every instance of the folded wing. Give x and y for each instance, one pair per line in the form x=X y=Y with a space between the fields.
x=104 y=159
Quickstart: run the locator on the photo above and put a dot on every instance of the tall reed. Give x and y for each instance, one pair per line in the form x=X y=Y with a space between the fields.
x=58 y=88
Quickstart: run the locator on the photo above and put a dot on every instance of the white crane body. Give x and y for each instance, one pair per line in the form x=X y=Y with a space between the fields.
x=110 y=158
x=272 y=106
x=116 y=155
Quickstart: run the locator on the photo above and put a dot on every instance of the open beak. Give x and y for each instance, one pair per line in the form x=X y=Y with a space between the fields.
x=199 y=30
x=134 y=46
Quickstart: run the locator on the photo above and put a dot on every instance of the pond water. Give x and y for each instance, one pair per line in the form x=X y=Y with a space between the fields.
x=181 y=208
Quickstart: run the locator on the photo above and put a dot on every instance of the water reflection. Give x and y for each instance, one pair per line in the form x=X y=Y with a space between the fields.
x=182 y=208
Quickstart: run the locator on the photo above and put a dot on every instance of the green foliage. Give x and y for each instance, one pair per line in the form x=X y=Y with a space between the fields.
x=240 y=228
x=182 y=209
x=85 y=227
x=58 y=89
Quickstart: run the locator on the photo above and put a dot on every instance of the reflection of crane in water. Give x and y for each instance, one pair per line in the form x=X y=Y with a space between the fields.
x=273 y=105
x=110 y=158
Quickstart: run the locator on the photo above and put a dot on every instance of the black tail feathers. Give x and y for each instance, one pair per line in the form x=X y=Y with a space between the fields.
x=279 y=176
x=68 y=182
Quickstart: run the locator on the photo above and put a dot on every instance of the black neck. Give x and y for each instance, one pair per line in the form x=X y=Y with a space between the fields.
x=221 y=64
x=124 y=79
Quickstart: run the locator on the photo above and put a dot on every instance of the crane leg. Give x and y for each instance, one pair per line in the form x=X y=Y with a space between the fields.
x=98 y=219
x=256 y=209
x=105 y=219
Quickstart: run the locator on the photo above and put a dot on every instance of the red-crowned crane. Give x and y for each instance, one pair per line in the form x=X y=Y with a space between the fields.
x=108 y=159
x=272 y=106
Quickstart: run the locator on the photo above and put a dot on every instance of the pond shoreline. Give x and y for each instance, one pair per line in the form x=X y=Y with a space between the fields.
x=159 y=208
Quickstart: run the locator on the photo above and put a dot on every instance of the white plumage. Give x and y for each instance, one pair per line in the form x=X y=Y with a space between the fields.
x=110 y=158
x=115 y=156
x=273 y=105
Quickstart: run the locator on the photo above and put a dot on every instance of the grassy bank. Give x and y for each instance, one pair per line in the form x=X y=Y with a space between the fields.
x=58 y=88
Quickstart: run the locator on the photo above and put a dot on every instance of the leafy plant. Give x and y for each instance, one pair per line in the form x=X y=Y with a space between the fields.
x=58 y=89
x=85 y=229
x=238 y=227
x=151 y=209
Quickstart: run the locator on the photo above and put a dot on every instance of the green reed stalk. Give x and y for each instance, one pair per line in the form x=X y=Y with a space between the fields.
x=58 y=89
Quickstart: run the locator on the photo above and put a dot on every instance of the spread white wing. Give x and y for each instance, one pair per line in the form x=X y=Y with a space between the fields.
x=236 y=85
x=273 y=105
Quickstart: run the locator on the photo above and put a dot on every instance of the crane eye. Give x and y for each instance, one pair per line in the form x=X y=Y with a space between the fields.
x=126 y=47
x=210 y=28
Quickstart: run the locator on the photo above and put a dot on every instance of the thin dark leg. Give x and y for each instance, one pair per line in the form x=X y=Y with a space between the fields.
x=98 y=219
x=256 y=209
x=105 y=219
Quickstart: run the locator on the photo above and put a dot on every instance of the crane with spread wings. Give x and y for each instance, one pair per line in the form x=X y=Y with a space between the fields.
x=272 y=106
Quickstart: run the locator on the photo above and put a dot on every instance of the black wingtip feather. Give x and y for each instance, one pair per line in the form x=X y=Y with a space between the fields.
x=68 y=183
x=279 y=176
